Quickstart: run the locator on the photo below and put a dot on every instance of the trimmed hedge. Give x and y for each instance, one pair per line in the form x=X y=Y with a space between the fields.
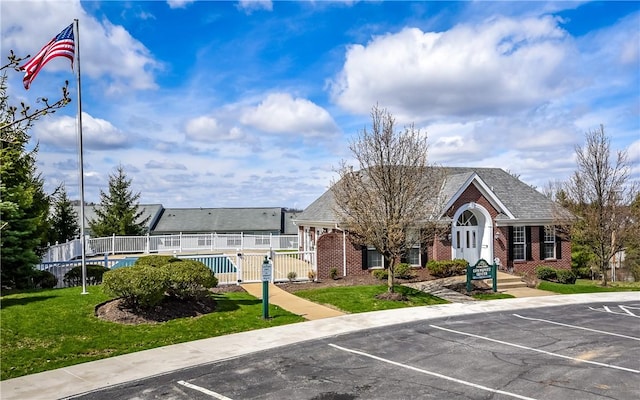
x=94 y=275
x=447 y=268
x=551 y=274
x=44 y=279
x=140 y=286
x=156 y=260
x=146 y=283
x=403 y=271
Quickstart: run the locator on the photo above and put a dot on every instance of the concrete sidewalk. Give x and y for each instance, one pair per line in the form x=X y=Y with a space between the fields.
x=82 y=378
x=294 y=304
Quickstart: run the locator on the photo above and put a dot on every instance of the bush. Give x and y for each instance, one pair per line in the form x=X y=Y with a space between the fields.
x=311 y=275
x=188 y=278
x=155 y=260
x=380 y=274
x=44 y=279
x=550 y=274
x=566 y=276
x=546 y=273
x=291 y=276
x=403 y=271
x=447 y=268
x=333 y=273
x=94 y=275
x=139 y=286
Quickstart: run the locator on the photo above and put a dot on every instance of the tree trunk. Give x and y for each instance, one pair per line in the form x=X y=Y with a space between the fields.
x=390 y=275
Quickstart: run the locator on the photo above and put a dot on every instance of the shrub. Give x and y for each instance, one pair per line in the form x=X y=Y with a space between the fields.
x=333 y=273
x=380 y=274
x=546 y=273
x=155 y=260
x=311 y=275
x=94 y=275
x=291 y=276
x=139 y=287
x=403 y=271
x=447 y=268
x=556 y=275
x=566 y=276
x=188 y=278
x=44 y=279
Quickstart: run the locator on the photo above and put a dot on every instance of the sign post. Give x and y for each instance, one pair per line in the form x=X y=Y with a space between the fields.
x=266 y=278
x=482 y=270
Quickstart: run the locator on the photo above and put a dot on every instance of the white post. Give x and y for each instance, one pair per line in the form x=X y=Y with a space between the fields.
x=113 y=244
x=76 y=38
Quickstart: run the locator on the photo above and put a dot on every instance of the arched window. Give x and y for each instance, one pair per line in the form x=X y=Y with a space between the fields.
x=467 y=219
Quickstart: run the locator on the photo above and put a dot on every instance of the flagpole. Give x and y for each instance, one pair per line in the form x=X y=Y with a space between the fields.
x=76 y=38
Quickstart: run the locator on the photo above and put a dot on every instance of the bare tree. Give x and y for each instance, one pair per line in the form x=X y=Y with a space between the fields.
x=391 y=201
x=600 y=193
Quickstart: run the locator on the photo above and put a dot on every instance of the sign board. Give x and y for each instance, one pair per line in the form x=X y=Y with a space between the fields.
x=482 y=270
x=266 y=270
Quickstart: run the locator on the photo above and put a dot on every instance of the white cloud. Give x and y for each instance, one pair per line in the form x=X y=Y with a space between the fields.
x=497 y=66
x=97 y=134
x=208 y=129
x=179 y=3
x=280 y=113
x=249 y=6
x=166 y=164
x=108 y=51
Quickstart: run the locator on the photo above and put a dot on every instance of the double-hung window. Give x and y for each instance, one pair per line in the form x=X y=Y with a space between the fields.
x=519 y=243
x=549 y=245
x=374 y=259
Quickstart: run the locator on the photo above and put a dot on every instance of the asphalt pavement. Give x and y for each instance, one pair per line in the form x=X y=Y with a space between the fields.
x=89 y=378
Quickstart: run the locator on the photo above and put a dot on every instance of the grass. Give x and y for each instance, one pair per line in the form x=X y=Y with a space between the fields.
x=588 y=286
x=47 y=329
x=491 y=296
x=357 y=299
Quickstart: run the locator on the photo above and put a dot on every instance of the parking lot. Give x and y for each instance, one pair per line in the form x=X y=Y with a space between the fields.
x=578 y=351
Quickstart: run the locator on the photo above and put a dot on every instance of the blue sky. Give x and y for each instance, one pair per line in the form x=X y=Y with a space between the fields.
x=253 y=103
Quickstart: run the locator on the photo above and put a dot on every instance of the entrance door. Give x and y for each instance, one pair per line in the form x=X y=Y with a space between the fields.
x=467 y=237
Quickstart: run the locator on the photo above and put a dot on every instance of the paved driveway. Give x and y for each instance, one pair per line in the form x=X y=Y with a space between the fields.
x=578 y=351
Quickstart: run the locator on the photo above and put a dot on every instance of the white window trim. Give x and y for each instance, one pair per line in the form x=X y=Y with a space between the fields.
x=545 y=242
x=523 y=243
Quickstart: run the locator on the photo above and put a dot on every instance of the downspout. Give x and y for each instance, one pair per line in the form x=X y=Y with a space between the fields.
x=344 y=250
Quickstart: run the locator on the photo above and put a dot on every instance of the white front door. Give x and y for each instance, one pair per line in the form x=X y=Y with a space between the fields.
x=467 y=243
x=466 y=238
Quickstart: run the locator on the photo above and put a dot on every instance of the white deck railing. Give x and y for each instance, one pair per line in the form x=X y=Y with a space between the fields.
x=205 y=242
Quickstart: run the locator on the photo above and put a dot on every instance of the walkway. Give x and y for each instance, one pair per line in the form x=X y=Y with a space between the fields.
x=292 y=303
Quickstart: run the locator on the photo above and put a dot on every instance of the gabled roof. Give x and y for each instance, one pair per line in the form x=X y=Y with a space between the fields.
x=148 y=210
x=223 y=220
x=515 y=200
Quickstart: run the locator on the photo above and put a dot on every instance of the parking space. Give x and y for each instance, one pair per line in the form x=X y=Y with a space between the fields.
x=582 y=351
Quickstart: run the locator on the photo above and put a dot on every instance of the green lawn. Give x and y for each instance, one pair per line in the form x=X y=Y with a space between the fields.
x=491 y=296
x=357 y=299
x=588 y=286
x=48 y=329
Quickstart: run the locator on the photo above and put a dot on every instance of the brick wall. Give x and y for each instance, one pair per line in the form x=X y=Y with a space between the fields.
x=330 y=255
x=472 y=194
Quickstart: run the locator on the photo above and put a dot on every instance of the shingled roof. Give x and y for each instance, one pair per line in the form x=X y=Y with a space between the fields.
x=520 y=201
x=221 y=220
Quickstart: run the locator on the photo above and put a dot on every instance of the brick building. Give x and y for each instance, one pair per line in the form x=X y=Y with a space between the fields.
x=489 y=215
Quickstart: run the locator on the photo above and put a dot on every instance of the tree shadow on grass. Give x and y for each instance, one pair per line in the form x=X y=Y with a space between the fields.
x=22 y=301
x=224 y=304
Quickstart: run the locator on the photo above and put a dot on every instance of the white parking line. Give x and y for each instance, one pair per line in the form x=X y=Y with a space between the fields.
x=537 y=350
x=475 y=385
x=203 y=390
x=577 y=327
x=626 y=310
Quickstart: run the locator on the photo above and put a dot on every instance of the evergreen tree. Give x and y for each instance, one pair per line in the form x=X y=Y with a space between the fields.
x=24 y=205
x=64 y=218
x=117 y=213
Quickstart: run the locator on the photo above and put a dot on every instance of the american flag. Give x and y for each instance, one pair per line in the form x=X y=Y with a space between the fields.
x=63 y=45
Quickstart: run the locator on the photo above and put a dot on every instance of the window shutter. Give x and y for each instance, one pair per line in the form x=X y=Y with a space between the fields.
x=558 y=248
x=510 y=240
x=364 y=257
x=424 y=257
x=527 y=233
x=541 y=240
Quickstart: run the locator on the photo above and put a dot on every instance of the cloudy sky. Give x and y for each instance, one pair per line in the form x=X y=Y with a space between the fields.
x=253 y=103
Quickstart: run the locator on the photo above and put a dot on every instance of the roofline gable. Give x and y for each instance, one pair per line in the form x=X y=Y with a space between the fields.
x=484 y=189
